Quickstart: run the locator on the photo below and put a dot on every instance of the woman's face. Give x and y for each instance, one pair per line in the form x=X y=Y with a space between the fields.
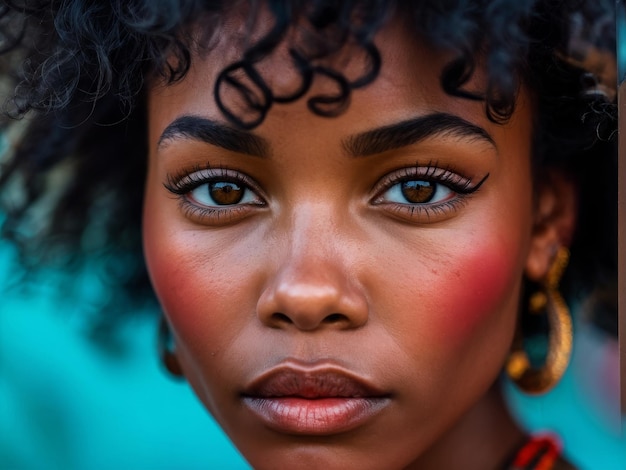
x=342 y=291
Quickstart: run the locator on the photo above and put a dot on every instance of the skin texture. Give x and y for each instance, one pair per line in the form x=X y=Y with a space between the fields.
x=322 y=268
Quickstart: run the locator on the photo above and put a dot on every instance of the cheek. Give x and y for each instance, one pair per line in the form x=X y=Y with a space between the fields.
x=473 y=294
x=479 y=288
x=193 y=297
x=177 y=291
x=183 y=278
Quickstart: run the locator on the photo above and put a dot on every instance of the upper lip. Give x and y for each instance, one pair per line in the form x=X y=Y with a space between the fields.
x=290 y=380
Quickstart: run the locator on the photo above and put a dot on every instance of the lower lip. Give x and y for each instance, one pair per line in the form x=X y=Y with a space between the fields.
x=320 y=416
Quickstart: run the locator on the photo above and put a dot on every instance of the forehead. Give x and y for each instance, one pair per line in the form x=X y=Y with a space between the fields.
x=408 y=84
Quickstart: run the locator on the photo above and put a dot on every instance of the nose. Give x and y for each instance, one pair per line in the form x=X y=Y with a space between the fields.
x=312 y=290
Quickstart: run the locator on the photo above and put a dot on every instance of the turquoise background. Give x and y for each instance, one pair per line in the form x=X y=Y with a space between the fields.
x=66 y=403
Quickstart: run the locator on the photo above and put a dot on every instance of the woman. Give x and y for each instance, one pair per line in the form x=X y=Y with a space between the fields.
x=350 y=212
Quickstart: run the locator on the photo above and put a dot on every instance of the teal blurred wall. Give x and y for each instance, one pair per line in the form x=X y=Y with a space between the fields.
x=68 y=404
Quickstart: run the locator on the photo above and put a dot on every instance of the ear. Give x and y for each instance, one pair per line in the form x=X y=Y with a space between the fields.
x=555 y=219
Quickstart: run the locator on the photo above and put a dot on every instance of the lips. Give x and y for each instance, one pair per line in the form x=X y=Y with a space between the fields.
x=319 y=401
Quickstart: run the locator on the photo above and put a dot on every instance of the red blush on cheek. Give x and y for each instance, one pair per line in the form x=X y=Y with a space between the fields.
x=180 y=297
x=478 y=286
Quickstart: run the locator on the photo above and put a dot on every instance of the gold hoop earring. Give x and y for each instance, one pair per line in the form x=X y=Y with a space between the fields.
x=549 y=300
x=164 y=345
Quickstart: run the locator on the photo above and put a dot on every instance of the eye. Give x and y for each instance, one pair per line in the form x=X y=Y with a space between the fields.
x=222 y=193
x=417 y=192
x=424 y=194
x=215 y=196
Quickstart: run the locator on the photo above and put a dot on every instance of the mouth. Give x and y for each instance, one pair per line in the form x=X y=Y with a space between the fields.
x=313 y=401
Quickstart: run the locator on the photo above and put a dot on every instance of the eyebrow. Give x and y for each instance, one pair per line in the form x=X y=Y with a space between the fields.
x=211 y=132
x=367 y=143
x=412 y=131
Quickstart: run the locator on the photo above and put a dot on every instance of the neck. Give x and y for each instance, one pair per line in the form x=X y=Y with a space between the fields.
x=483 y=438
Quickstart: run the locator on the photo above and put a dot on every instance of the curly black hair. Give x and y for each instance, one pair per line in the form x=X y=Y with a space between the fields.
x=76 y=72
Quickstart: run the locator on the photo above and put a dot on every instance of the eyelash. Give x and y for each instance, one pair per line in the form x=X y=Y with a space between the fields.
x=433 y=173
x=186 y=181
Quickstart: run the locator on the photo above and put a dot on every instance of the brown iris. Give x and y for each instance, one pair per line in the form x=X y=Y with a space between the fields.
x=225 y=192
x=418 y=192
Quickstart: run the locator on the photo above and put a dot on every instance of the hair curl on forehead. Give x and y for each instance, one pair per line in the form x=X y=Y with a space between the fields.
x=79 y=68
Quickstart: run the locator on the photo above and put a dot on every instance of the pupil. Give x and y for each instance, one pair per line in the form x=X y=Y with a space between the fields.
x=418 y=192
x=225 y=193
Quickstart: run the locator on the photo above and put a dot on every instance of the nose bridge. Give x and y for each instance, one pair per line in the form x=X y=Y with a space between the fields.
x=312 y=282
x=313 y=228
x=315 y=234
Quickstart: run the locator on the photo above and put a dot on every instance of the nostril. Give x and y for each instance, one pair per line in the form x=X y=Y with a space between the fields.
x=281 y=318
x=278 y=319
x=334 y=318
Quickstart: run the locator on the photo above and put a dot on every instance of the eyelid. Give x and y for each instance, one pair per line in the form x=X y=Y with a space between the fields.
x=429 y=172
x=429 y=212
x=187 y=180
